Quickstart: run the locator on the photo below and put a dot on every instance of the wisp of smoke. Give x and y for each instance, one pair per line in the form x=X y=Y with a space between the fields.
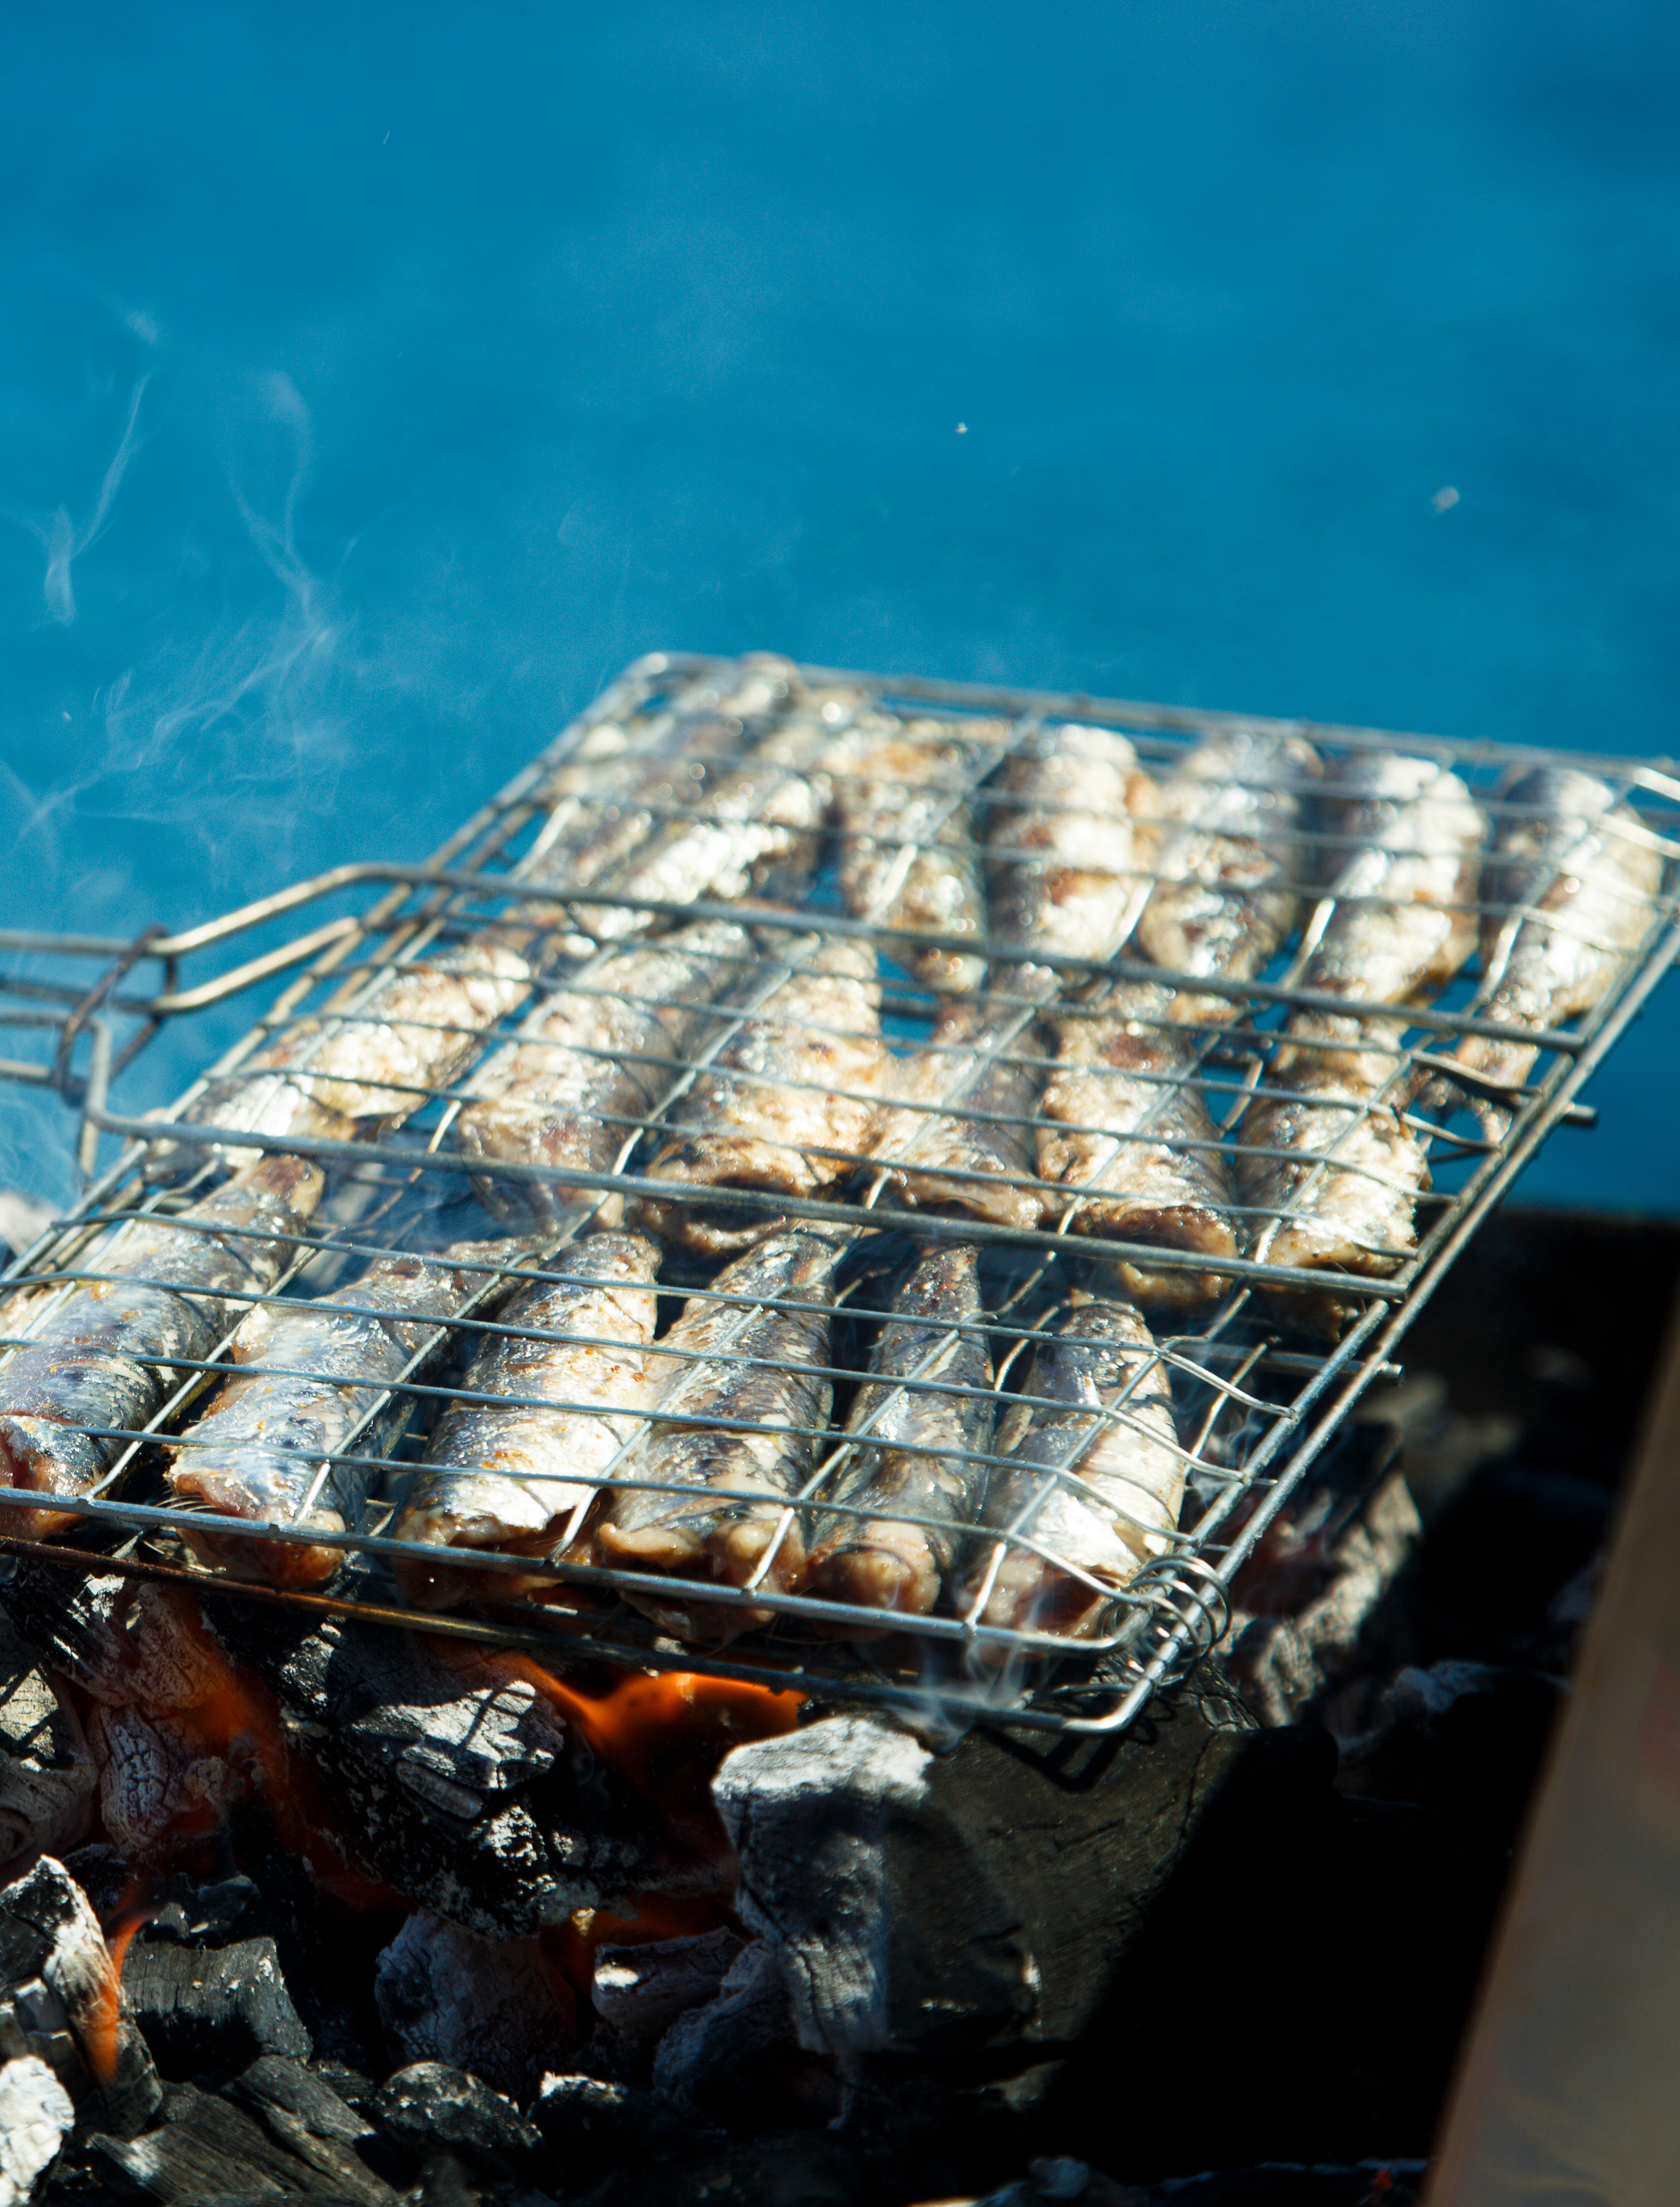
x=63 y=542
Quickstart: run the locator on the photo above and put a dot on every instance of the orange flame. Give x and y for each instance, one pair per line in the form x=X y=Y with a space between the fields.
x=667 y=1733
x=101 y=2031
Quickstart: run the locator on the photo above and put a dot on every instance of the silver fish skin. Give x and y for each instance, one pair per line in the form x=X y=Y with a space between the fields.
x=750 y=822
x=788 y=1106
x=1123 y=1123
x=908 y=854
x=507 y=1474
x=1339 y=1197
x=592 y=1061
x=1403 y=921
x=47 y=1775
x=1071 y=841
x=1576 y=871
x=263 y=1450
x=959 y=1136
x=742 y=1358
x=90 y=1363
x=1117 y=1504
x=1231 y=861
x=936 y=1335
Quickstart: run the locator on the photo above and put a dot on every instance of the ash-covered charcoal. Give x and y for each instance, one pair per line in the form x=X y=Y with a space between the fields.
x=47 y=1777
x=61 y=1998
x=1303 y=1607
x=1463 y=1737
x=212 y=2008
x=430 y=2108
x=498 y=2007
x=736 y=2063
x=36 y=2116
x=638 y=1992
x=458 y=1779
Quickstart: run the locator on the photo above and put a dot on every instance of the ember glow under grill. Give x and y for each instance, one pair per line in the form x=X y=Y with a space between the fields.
x=885 y=1103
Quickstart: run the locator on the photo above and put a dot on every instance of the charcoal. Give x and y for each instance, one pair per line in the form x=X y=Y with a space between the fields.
x=462 y=1784
x=1460 y=1736
x=187 y=1914
x=791 y=2168
x=927 y=1902
x=207 y=2149
x=302 y=2113
x=58 y=1999
x=736 y=2063
x=499 y=2006
x=35 y=2115
x=1062 y=2182
x=430 y=2107
x=638 y=1992
x=211 y=2007
x=589 y=2126
x=47 y=1776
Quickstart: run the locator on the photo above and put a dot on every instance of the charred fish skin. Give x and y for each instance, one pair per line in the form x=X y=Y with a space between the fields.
x=1332 y=1177
x=744 y=1359
x=591 y=1061
x=920 y=1454
x=957 y=1139
x=1126 y=1139
x=788 y=1105
x=1072 y=838
x=506 y=1473
x=98 y=1361
x=1231 y=862
x=909 y=856
x=1115 y=1505
x=1575 y=877
x=265 y=1448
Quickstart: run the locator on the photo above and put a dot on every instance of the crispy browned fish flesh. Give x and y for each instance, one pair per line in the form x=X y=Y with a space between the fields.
x=593 y=1062
x=919 y=1463
x=1094 y=1480
x=565 y=1374
x=1071 y=841
x=908 y=856
x=787 y=1106
x=761 y=1372
x=1126 y=1141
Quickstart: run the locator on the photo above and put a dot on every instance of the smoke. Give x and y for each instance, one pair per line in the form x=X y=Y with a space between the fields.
x=63 y=542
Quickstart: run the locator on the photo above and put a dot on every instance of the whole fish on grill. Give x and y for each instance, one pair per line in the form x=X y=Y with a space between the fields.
x=958 y=1138
x=920 y=1452
x=96 y=1363
x=509 y=1473
x=1574 y=877
x=1125 y=1139
x=1332 y=1176
x=1095 y=1477
x=751 y=821
x=761 y=1370
x=265 y=1448
x=1071 y=841
x=908 y=856
x=1231 y=862
x=788 y=1105
x=590 y=1063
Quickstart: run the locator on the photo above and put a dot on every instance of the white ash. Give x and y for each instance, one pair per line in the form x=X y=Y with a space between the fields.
x=47 y=1776
x=36 y=2117
x=734 y=2063
x=60 y=1997
x=497 y=2007
x=640 y=1991
x=155 y=1775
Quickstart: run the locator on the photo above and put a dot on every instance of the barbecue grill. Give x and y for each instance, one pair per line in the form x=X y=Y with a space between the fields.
x=1256 y=1395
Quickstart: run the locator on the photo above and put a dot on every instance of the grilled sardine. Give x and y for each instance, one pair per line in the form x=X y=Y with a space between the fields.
x=97 y=1364
x=921 y=1451
x=508 y=1473
x=592 y=1062
x=267 y=1447
x=1071 y=841
x=1231 y=862
x=1095 y=1482
x=959 y=1138
x=908 y=856
x=788 y=1106
x=1575 y=879
x=738 y=1358
x=1122 y=1122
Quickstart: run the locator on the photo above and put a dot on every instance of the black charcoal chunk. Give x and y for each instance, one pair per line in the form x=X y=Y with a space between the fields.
x=430 y=2108
x=210 y=2150
x=212 y=2008
x=590 y=2126
x=302 y=2113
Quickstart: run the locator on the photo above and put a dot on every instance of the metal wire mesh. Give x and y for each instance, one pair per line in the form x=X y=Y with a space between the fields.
x=1044 y=1139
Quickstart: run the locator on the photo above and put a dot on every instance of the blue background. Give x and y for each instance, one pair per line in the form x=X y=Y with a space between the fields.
x=480 y=349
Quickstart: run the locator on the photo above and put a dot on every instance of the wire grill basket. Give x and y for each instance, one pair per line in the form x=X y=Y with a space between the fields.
x=1000 y=1202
